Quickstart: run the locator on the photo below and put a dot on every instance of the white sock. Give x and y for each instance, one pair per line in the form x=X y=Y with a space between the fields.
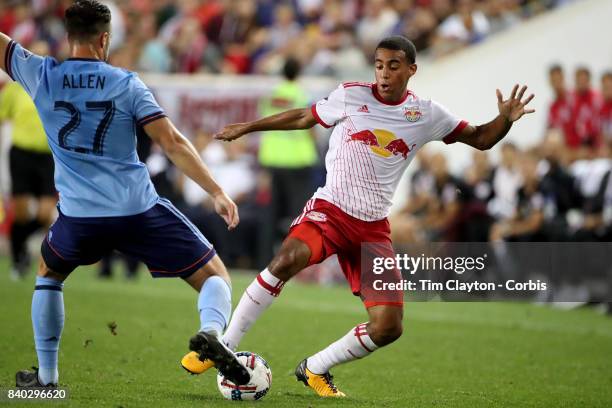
x=255 y=299
x=354 y=345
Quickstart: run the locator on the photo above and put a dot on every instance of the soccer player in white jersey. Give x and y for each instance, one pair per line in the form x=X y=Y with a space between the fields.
x=378 y=129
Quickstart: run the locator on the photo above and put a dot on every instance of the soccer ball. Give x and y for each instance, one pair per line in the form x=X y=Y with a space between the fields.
x=261 y=379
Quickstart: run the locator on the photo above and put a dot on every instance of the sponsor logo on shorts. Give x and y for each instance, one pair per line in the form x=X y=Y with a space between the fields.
x=316 y=216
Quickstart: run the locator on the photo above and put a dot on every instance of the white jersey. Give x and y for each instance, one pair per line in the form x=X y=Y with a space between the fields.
x=372 y=144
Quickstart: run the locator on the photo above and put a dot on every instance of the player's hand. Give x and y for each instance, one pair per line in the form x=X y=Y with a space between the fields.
x=514 y=107
x=227 y=209
x=231 y=132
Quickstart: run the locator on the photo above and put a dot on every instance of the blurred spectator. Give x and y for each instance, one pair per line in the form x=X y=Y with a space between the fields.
x=506 y=183
x=592 y=173
x=405 y=224
x=479 y=176
x=585 y=113
x=419 y=26
x=474 y=221
x=240 y=36
x=378 y=21
x=467 y=26
x=557 y=186
x=606 y=108
x=560 y=110
x=525 y=225
x=284 y=29
x=24 y=26
x=442 y=9
x=445 y=202
x=337 y=55
x=155 y=56
x=502 y=14
x=188 y=46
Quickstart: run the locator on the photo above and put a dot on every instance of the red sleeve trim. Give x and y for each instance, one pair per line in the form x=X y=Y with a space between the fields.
x=313 y=109
x=452 y=136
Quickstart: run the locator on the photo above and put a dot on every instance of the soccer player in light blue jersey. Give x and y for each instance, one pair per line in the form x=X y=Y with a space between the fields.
x=90 y=111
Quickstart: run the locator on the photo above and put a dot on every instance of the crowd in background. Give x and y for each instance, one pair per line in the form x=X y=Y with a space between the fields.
x=329 y=37
x=559 y=190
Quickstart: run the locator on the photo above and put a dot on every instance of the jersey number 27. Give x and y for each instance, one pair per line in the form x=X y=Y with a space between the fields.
x=108 y=109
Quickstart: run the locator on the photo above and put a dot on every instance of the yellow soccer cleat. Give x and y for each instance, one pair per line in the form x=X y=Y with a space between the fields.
x=322 y=384
x=192 y=363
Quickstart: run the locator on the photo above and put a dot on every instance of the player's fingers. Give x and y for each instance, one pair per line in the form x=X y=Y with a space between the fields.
x=500 y=97
x=233 y=218
x=230 y=216
x=236 y=217
x=513 y=93
x=529 y=110
x=529 y=98
x=521 y=92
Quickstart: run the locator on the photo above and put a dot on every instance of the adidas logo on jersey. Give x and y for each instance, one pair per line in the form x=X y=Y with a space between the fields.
x=364 y=109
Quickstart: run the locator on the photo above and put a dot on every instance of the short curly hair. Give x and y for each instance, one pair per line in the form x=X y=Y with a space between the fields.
x=86 y=18
x=399 y=43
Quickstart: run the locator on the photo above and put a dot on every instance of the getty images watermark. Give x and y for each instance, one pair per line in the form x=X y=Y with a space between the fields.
x=459 y=265
x=540 y=271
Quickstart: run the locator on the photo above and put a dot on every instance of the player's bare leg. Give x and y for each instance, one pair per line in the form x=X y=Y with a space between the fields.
x=383 y=328
x=214 y=305
x=48 y=322
x=292 y=258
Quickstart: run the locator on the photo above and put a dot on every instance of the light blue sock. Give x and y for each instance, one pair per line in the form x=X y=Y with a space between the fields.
x=48 y=322
x=215 y=305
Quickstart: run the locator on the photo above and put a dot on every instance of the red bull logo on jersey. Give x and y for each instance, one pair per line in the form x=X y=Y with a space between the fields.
x=412 y=113
x=383 y=143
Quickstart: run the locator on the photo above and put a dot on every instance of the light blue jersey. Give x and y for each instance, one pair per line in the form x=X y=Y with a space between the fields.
x=90 y=111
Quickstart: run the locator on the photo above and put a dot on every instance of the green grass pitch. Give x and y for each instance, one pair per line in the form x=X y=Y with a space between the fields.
x=451 y=354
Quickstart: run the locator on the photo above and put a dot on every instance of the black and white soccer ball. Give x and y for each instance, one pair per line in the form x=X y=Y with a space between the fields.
x=261 y=379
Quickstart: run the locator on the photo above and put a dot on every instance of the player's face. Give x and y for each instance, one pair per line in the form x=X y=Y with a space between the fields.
x=392 y=71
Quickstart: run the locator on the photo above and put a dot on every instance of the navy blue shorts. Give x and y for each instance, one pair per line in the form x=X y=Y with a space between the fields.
x=163 y=238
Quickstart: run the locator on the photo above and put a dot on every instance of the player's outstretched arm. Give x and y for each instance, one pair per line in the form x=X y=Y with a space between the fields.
x=4 y=42
x=184 y=156
x=486 y=136
x=288 y=120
